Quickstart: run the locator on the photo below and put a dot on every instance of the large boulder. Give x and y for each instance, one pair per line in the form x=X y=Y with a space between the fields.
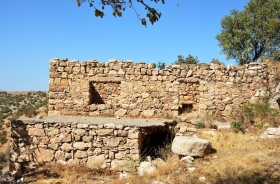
x=191 y=146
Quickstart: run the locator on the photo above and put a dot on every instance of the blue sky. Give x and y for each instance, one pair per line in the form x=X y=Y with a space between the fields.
x=33 y=32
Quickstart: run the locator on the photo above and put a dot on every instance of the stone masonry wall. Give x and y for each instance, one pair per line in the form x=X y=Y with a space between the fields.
x=127 y=89
x=103 y=146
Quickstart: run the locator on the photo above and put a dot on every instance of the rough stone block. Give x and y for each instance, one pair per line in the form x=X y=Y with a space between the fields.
x=81 y=145
x=148 y=113
x=66 y=146
x=113 y=142
x=42 y=155
x=191 y=146
x=81 y=154
x=105 y=132
x=36 y=131
x=120 y=113
x=96 y=162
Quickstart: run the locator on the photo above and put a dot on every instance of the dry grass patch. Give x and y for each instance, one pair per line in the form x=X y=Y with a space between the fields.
x=62 y=174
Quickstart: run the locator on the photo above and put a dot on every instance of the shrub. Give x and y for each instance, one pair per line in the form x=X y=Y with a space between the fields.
x=161 y=65
x=216 y=61
x=8 y=125
x=164 y=152
x=200 y=125
x=3 y=138
x=260 y=113
x=188 y=60
x=237 y=126
x=3 y=160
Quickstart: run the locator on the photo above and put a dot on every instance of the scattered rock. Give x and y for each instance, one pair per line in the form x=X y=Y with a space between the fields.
x=191 y=146
x=191 y=169
x=188 y=159
x=146 y=167
x=222 y=125
x=202 y=178
x=209 y=132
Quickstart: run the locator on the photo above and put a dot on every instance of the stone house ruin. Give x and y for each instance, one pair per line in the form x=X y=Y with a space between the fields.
x=104 y=114
x=127 y=89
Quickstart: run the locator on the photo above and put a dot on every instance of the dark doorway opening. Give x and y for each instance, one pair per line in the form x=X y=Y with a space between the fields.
x=278 y=102
x=94 y=96
x=157 y=144
x=186 y=108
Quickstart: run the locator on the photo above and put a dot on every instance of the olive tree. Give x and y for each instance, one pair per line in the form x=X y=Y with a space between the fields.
x=252 y=33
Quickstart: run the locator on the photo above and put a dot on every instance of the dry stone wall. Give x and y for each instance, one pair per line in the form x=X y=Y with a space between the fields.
x=127 y=89
x=106 y=146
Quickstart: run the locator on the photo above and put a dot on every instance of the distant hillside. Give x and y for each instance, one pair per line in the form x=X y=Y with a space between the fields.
x=22 y=103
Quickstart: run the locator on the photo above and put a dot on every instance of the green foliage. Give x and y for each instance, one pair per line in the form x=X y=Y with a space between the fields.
x=3 y=138
x=160 y=65
x=6 y=110
x=14 y=104
x=8 y=125
x=164 y=152
x=3 y=160
x=260 y=113
x=237 y=126
x=1 y=121
x=252 y=33
x=28 y=111
x=119 y=6
x=216 y=61
x=188 y=60
x=200 y=125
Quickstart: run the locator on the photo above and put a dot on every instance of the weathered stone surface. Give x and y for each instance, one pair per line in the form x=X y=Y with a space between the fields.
x=80 y=132
x=59 y=155
x=134 y=134
x=273 y=131
x=87 y=138
x=109 y=125
x=146 y=167
x=135 y=113
x=42 y=155
x=105 y=132
x=191 y=146
x=81 y=145
x=112 y=142
x=53 y=146
x=81 y=154
x=96 y=162
x=222 y=126
x=53 y=131
x=122 y=133
x=120 y=112
x=36 y=131
x=118 y=165
x=66 y=146
x=148 y=113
